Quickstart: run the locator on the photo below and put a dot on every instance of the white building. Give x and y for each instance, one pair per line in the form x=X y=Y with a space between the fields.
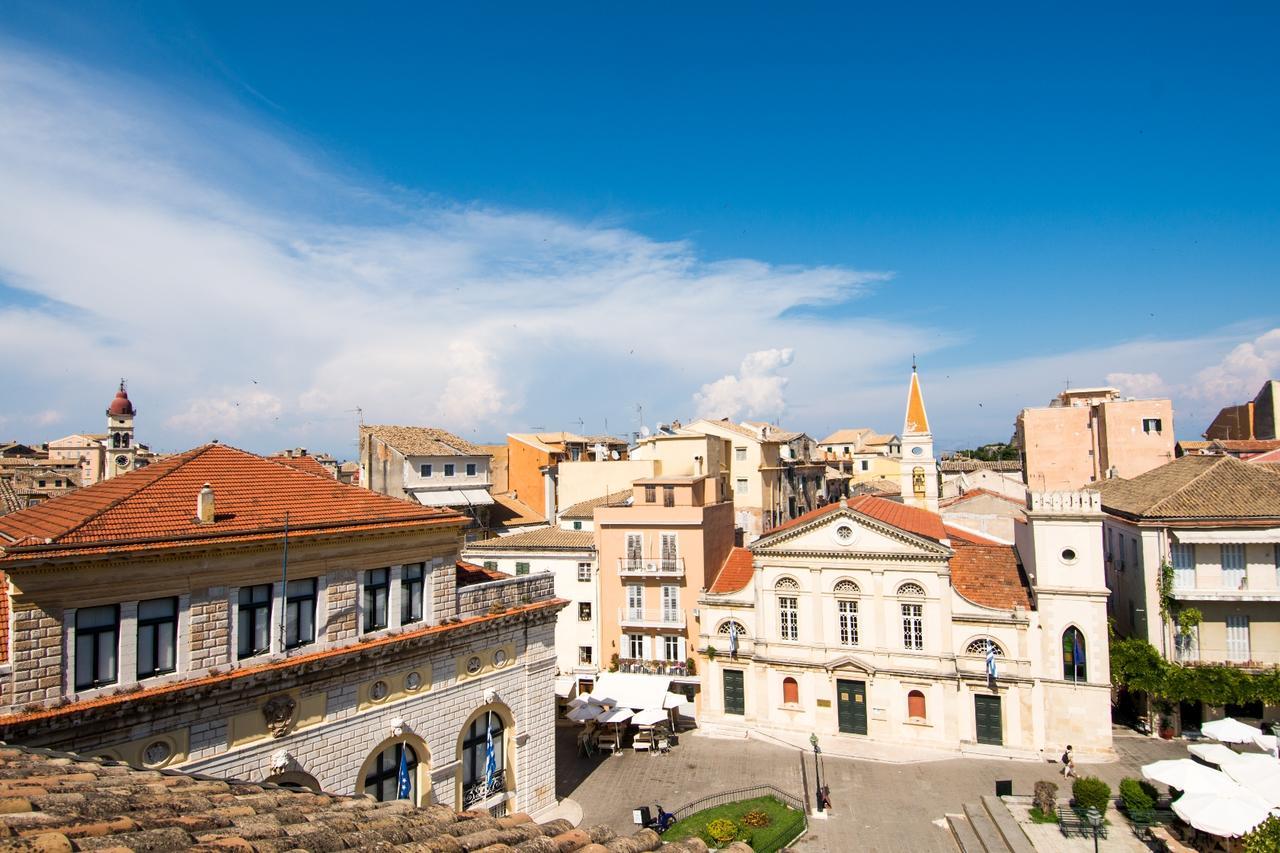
x=430 y=466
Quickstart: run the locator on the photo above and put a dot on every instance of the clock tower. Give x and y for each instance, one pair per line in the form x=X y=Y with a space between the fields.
x=122 y=450
x=919 y=471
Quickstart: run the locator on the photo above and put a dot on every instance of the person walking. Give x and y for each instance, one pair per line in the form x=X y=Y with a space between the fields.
x=1068 y=763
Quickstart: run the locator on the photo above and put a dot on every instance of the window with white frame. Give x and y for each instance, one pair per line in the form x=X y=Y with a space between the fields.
x=635 y=646
x=412 y=590
x=449 y=468
x=584 y=655
x=1151 y=425
x=377 y=588
x=848 y=611
x=980 y=647
x=157 y=637
x=1183 y=556
x=788 y=617
x=1233 y=566
x=425 y=470
x=300 y=613
x=740 y=486
x=671 y=648
x=97 y=646
x=740 y=454
x=584 y=611
x=253 y=620
x=471 y=469
x=584 y=572
x=1238 y=639
x=913 y=626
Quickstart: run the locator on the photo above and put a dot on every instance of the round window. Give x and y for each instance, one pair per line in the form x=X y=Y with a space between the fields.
x=156 y=753
x=500 y=658
x=916 y=451
x=1068 y=555
x=844 y=534
x=379 y=691
x=413 y=681
x=473 y=664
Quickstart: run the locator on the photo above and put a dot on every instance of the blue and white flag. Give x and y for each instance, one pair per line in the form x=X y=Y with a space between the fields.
x=733 y=639
x=404 y=789
x=1077 y=655
x=991 y=660
x=490 y=759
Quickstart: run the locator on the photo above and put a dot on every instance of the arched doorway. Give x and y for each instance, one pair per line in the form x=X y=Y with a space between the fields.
x=487 y=771
x=380 y=774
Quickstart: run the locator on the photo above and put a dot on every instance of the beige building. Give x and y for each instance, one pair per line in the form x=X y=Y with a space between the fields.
x=865 y=455
x=1215 y=522
x=230 y=615
x=429 y=466
x=107 y=454
x=1086 y=435
x=656 y=556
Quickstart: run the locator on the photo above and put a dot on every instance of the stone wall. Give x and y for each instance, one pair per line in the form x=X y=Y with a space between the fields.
x=477 y=599
x=210 y=629
x=37 y=656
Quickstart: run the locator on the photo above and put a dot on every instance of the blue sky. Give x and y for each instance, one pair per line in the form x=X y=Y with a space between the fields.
x=1023 y=198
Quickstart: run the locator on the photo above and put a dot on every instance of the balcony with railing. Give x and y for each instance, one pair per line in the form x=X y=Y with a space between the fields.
x=483 y=789
x=634 y=617
x=661 y=568
x=654 y=667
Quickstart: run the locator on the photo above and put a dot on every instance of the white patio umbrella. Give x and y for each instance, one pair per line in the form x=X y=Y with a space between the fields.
x=672 y=700
x=1266 y=742
x=601 y=699
x=1214 y=753
x=1230 y=730
x=617 y=715
x=584 y=713
x=1186 y=775
x=1228 y=814
x=1251 y=767
x=577 y=701
x=649 y=717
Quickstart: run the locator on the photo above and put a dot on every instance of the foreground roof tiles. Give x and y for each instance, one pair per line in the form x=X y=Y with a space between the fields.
x=422 y=441
x=155 y=507
x=62 y=801
x=1196 y=488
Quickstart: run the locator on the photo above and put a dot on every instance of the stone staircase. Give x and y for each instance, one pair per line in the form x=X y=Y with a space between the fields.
x=988 y=826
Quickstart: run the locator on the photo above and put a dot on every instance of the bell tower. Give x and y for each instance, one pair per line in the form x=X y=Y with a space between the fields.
x=122 y=450
x=919 y=470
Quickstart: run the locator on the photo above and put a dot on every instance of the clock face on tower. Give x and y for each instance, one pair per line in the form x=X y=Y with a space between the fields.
x=916 y=451
x=122 y=461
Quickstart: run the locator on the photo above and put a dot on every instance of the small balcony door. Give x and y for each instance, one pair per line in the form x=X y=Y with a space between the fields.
x=670 y=603
x=669 y=552
x=1184 y=566
x=1232 y=566
x=635 y=601
x=1238 y=638
x=635 y=551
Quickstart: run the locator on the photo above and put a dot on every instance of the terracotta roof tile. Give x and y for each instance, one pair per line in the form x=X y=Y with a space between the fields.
x=1196 y=487
x=988 y=575
x=511 y=512
x=470 y=573
x=548 y=538
x=977 y=493
x=307 y=464
x=421 y=441
x=908 y=518
x=155 y=507
x=1271 y=457
x=736 y=572
x=586 y=509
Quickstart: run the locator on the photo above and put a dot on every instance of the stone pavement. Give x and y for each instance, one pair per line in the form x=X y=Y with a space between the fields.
x=877 y=807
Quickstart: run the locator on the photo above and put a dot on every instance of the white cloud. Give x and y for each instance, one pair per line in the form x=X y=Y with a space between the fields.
x=45 y=418
x=1138 y=384
x=755 y=392
x=1241 y=372
x=228 y=415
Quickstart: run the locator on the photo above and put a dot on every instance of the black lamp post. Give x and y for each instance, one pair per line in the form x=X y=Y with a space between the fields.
x=817 y=779
x=1095 y=820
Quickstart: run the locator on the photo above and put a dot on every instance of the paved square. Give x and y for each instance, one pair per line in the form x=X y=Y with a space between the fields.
x=877 y=807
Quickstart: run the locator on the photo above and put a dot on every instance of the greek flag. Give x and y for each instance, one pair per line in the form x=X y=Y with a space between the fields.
x=733 y=639
x=404 y=788
x=991 y=660
x=490 y=760
x=1077 y=655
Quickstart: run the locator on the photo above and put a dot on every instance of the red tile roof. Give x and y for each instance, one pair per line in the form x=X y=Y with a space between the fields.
x=979 y=492
x=911 y=519
x=303 y=463
x=735 y=574
x=155 y=507
x=470 y=573
x=989 y=575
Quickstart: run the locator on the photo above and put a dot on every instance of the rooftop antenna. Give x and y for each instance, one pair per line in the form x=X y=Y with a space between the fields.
x=359 y=414
x=913 y=362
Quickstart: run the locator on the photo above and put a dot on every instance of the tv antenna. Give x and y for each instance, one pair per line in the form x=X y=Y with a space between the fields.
x=359 y=412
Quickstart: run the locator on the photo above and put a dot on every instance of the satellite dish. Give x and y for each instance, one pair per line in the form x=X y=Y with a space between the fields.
x=644 y=430
x=613 y=454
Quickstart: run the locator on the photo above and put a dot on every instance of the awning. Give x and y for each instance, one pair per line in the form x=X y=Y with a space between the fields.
x=565 y=685
x=632 y=689
x=454 y=497
x=1238 y=535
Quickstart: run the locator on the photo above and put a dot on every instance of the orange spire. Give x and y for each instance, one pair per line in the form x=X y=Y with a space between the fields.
x=917 y=421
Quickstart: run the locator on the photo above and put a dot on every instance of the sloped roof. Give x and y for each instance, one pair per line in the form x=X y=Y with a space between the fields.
x=8 y=497
x=586 y=509
x=911 y=519
x=847 y=436
x=735 y=574
x=64 y=801
x=988 y=574
x=511 y=512
x=1271 y=457
x=421 y=441
x=917 y=421
x=467 y=574
x=155 y=507
x=1196 y=487
x=1245 y=445
x=978 y=493
x=543 y=538
x=306 y=463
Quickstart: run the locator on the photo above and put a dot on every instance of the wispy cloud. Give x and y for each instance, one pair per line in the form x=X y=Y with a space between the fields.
x=756 y=391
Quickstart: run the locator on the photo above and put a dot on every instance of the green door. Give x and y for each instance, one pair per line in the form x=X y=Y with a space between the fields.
x=734 y=702
x=986 y=712
x=851 y=706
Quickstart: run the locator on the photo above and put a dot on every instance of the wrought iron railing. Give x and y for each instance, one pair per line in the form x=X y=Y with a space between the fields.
x=736 y=795
x=482 y=790
x=653 y=667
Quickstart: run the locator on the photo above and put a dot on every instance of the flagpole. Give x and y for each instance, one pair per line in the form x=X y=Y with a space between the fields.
x=284 y=583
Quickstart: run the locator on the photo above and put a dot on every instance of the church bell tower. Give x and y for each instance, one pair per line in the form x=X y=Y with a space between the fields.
x=122 y=451
x=919 y=470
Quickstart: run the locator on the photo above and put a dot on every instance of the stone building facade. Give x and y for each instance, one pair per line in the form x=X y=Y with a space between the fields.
x=156 y=620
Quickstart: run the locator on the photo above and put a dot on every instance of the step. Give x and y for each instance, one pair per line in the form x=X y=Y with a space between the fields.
x=1007 y=825
x=984 y=828
x=964 y=835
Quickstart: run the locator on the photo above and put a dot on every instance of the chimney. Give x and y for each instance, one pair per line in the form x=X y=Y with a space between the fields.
x=204 y=505
x=697 y=466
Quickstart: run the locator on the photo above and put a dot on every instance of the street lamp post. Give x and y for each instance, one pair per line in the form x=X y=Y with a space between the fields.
x=1095 y=820
x=817 y=779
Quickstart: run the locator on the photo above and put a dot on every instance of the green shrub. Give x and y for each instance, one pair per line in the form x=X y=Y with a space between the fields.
x=1265 y=837
x=722 y=830
x=1038 y=815
x=1137 y=795
x=1091 y=792
x=756 y=818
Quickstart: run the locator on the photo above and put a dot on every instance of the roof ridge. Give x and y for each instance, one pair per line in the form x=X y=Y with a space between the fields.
x=1221 y=460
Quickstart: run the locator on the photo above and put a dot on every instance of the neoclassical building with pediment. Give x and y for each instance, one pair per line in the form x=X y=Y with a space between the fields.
x=871 y=620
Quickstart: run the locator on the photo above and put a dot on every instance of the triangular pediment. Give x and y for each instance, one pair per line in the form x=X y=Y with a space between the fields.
x=849 y=663
x=830 y=534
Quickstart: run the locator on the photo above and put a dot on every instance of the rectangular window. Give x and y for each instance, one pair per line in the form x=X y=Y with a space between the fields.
x=740 y=486
x=848 y=622
x=471 y=469
x=1238 y=638
x=1233 y=567
x=635 y=601
x=448 y=469
x=740 y=454
x=584 y=572
x=300 y=613
x=253 y=620
x=670 y=603
x=668 y=546
x=788 y=617
x=584 y=611
x=1184 y=565
x=424 y=470
x=491 y=564
x=671 y=648
x=913 y=626
x=866 y=465
x=577 y=525
x=635 y=551
x=412 y=586
x=668 y=495
x=97 y=644
x=522 y=568
x=635 y=646
x=157 y=637
x=377 y=585
x=584 y=655
x=1150 y=425
x=650 y=494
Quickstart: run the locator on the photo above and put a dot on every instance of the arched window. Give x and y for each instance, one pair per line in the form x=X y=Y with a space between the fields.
x=910 y=588
x=786 y=583
x=979 y=647
x=381 y=780
x=295 y=780
x=115 y=439
x=1073 y=657
x=790 y=692
x=915 y=705
x=846 y=588
x=483 y=759
x=727 y=627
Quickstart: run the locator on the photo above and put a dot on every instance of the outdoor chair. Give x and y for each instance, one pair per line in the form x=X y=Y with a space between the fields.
x=664 y=746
